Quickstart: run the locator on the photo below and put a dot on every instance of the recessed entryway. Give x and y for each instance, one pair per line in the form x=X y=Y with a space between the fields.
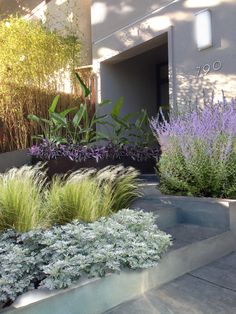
x=141 y=75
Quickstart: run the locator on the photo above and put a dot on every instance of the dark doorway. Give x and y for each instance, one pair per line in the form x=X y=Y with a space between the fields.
x=162 y=79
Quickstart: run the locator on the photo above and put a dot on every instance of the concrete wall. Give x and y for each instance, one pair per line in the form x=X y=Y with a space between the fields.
x=123 y=26
x=118 y=14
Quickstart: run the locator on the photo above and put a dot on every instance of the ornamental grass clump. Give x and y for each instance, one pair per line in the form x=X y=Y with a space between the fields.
x=28 y=202
x=199 y=151
x=85 y=201
x=21 y=199
x=123 y=183
x=88 y=194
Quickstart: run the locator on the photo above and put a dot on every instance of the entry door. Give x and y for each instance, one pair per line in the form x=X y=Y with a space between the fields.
x=163 y=88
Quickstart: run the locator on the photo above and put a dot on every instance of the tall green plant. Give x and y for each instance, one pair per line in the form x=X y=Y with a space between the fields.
x=132 y=127
x=36 y=59
x=83 y=125
x=143 y=135
x=62 y=127
x=120 y=125
x=34 y=65
x=53 y=127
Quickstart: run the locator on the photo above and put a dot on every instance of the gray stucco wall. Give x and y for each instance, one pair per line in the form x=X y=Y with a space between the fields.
x=117 y=14
x=127 y=25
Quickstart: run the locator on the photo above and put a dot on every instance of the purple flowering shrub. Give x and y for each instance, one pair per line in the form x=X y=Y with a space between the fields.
x=199 y=151
x=49 y=150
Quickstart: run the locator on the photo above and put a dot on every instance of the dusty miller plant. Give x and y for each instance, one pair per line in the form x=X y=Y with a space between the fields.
x=58 y=257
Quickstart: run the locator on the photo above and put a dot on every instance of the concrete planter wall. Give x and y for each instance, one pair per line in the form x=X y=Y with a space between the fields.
x=62 y=165
x=203 y=211
x=16 y=158
x=99 y=295
x=208 y=212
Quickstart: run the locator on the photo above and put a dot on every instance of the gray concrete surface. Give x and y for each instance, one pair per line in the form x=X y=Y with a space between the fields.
x=184 y=234
x=16 y=158
x=202 y=211
x=208 y=290
x=167 y=214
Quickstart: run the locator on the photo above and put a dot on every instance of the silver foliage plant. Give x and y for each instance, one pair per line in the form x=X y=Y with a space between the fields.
x=58 y=257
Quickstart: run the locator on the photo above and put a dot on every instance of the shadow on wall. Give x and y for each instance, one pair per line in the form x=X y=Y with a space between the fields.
x=192 y=90
x=188 y=85
x=109 y=16
x=118 y=39
x=131 y=37
x=117 y=13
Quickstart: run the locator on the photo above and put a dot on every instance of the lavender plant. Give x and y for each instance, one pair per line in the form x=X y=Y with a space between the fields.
x=199 y=150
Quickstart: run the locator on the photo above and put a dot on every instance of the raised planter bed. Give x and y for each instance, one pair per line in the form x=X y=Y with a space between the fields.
x=62 y=165
x=63 y=158
x=204 y=211
x=99 y=295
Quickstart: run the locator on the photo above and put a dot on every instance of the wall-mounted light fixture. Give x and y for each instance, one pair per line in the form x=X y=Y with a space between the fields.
x=203 y=29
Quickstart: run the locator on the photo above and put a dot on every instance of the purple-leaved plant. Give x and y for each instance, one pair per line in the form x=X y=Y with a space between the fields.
x=48 y=150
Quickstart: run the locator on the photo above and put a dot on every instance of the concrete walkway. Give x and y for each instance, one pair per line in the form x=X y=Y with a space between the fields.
x=207 y=290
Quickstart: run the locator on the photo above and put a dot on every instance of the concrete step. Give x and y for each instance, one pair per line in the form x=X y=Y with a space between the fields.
x=185 y=234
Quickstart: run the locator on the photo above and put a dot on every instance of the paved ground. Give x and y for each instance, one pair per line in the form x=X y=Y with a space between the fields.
x=185 y=234
x=207 y=290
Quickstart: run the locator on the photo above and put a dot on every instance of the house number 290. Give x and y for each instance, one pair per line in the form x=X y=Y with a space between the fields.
x=206 y=68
